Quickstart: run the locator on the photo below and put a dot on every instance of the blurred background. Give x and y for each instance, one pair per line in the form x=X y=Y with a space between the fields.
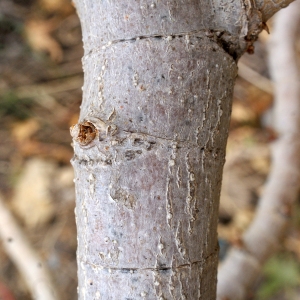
x=40 y=95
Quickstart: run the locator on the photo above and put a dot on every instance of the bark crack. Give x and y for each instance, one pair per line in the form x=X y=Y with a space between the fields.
x=224 y=39
x=154 y=137
x=162 y=268
x=134 y=269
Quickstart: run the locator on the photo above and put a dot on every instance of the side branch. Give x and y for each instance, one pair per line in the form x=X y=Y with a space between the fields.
x=243 y=265
x=269 y=7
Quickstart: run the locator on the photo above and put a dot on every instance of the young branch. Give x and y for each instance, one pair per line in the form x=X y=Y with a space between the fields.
x=27 y=261
x=255 y=78
x=243 y=265
x=269 y=7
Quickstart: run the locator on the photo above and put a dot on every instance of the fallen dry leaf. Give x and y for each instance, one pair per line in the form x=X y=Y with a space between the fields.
x=32 y=200
x=24 y=130
x=63 y=7
x=38 y=35
x=54 y=151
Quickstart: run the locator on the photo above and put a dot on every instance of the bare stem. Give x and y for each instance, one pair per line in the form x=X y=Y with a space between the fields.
x=269 y=7
x=263 y=237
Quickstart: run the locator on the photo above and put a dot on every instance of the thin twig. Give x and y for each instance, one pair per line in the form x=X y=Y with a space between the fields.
x=27 y=261
x=255 y=78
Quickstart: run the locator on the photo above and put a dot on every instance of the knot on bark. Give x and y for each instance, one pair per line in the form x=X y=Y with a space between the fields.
x=84 y=133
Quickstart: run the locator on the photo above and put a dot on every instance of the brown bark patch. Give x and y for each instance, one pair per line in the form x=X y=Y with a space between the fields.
x=122 y=197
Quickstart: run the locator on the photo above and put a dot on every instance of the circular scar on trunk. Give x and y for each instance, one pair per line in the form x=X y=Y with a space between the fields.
x=84 y=133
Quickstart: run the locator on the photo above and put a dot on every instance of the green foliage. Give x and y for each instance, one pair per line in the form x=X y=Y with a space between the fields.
x=11 y=105
x=282 y=275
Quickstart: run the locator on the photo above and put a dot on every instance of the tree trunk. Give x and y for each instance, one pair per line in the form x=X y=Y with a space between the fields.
x=150 y=143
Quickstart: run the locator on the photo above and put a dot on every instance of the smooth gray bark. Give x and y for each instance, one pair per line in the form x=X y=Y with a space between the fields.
x=150 y=143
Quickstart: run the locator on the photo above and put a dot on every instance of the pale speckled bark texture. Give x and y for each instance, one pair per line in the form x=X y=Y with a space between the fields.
x=150 y=143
